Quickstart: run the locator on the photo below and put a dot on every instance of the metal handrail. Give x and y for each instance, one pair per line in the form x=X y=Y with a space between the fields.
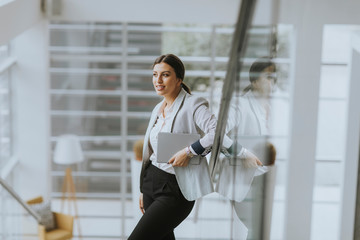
x=238 y=42
x=10 y=190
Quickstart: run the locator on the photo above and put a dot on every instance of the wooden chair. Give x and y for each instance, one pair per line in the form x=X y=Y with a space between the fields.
x=64 y=225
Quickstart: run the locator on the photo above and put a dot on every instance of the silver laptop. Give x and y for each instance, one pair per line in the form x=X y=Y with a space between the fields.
x=171 y=143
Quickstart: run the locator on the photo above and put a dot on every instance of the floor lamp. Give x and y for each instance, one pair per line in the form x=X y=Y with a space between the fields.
x=68 y=152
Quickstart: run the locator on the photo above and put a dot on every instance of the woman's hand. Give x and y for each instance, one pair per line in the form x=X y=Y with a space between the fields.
x=180 y=159
x=141 y=203
x=251 y=160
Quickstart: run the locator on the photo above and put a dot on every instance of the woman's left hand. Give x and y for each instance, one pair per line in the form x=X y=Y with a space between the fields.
x=180 y=159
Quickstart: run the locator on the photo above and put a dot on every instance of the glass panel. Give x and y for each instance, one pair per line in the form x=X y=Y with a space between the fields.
x=86 y=82
x=334 y=82
x=88 y=185
x=325 y=219
x=141 y=83
x=137 y=126
x=331 y=130
x=86 y=126
x=194 y=43
x=260 y=42
x=336 y=43
x=144 y=43
x=221 y=66
x=95 y=36
x=280 y=115
x=258 y=120
x=141 y=65
x=328 y=175
x=284 y=37
x=223 y=41
x=142 y=104
x=96 y=64
x=86 y=103
x=198 y=84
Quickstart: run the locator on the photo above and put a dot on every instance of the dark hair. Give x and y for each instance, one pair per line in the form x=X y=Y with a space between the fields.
x=177 y=65
x=257 y=67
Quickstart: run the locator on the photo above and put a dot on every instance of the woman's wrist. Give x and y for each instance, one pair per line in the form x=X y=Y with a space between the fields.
x=188 y=152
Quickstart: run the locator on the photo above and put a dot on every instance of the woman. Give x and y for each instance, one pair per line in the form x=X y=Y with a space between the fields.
x=168 y=190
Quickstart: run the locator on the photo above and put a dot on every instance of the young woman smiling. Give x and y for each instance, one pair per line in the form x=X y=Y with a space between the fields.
x=169 y=190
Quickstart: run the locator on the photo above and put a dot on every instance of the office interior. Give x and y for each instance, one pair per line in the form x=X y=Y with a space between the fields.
x=84 y=68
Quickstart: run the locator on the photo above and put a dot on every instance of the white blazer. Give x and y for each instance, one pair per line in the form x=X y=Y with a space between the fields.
x=248 y=115
x=194 y=180
x=235 y=179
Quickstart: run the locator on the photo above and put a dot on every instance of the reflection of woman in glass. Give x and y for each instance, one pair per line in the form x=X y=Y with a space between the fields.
x=251 y=112
x=249 y=116
x=169 y=189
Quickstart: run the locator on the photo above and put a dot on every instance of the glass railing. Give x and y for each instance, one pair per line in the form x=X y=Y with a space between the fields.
x=17 y=220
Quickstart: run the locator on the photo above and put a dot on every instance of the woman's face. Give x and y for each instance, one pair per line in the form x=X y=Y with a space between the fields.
x=165 y=81
x=266 y=81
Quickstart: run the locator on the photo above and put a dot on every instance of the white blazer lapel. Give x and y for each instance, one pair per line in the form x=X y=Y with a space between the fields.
x=177 y=106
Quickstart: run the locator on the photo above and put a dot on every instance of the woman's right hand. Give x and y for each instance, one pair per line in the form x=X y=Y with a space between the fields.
x=251 y=160
x=141 y=203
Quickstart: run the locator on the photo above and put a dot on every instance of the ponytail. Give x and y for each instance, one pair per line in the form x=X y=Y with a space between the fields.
x=248 y=88
x=186 y=88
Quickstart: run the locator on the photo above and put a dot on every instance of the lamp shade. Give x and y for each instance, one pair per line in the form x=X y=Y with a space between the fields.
x=68 y=150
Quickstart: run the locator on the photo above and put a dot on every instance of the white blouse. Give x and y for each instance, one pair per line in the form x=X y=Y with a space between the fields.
x=162 y=125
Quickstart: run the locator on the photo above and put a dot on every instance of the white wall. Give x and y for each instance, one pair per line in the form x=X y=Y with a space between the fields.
x=191 y=11
x=16 y=16
x=308 y=18
x=175 y=11
x=31 y=110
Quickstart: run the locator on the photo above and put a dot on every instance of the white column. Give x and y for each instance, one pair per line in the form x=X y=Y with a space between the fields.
x=32 y=111
x=349 y=184
x=303 y=130
x=16 y=16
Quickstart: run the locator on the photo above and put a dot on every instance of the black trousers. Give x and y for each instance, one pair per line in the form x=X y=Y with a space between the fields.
x=165 y=206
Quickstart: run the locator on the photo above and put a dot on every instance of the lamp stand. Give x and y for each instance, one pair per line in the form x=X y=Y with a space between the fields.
x=69 y=194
